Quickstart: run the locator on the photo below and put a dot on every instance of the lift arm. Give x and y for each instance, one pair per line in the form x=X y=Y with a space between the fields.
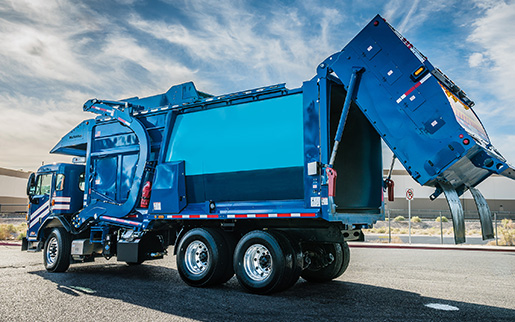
x=122 y=112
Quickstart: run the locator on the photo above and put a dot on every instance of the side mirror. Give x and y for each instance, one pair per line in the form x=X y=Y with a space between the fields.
x=31 y=185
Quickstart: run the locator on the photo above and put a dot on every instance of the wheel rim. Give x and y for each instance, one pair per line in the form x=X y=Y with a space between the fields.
x=197 y=258
x=52 y=251
x=258 y=263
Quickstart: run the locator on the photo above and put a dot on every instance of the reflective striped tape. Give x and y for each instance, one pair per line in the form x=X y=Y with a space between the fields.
x=40 y=209
x=403 y=96
x=287 y=215
x=39 y=214
x=61 y=203
x=238 y=216
x=62 y=199
x=61 y=207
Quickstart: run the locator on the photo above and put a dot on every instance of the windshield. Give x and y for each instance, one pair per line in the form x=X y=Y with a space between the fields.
x=44 y=184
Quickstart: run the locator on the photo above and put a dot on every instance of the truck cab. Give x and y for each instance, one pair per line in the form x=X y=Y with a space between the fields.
x=55 y=191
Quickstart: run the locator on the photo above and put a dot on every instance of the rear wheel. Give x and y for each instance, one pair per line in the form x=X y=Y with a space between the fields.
x=293 y=260
x=328 y=261
x=203 y=257
x=57 y=253
x=264 y=262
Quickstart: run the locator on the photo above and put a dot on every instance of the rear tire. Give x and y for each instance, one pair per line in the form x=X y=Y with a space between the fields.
x=203 y=257
x=263 y=262
x=293 y=260
x=57 y=252
x=341 y=254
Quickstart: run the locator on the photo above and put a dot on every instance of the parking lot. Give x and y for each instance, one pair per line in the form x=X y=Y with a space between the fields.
x=380 y=284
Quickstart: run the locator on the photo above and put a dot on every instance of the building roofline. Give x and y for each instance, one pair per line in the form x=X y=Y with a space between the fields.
x=14 y=173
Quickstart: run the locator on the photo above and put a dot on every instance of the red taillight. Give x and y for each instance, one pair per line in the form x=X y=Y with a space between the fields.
x=466 y=141
x=376 y=23
x=461 y=136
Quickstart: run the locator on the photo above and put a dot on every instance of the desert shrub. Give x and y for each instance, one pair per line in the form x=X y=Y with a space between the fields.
x=9 y=231
x=416 y=219
x=507 y=233
x=399 y=218
x=6 y=231
x=444 y=219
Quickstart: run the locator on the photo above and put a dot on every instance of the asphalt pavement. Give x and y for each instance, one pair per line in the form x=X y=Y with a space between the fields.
x=380 y=285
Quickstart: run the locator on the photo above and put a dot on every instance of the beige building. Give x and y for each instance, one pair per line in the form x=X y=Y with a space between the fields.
x=13 y=185
x=498 y=191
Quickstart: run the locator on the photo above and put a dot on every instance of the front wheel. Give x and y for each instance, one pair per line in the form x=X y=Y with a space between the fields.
x=56 y=255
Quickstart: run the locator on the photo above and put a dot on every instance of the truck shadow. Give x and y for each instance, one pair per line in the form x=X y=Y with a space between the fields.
x=160 y=288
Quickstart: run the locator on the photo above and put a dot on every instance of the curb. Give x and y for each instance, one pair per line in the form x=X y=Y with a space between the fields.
x=9 y=244
x=433 y=247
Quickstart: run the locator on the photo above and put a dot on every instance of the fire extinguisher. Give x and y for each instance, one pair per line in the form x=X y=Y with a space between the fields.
x=145 y=194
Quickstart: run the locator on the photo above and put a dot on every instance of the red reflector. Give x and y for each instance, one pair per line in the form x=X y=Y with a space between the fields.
x=376 y=23
x=461 y=136
x=466 y=141
x=132 y=216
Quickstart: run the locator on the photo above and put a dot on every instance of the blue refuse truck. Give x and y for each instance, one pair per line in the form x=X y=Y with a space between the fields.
x=267 y=184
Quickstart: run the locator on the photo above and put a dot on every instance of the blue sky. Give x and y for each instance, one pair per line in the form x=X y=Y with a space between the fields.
x=55 y=55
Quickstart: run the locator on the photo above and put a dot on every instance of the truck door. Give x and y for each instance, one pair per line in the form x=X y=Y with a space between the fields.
x=39 y=207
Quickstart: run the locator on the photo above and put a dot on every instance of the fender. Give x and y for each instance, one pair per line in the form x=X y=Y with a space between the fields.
x=51 y=222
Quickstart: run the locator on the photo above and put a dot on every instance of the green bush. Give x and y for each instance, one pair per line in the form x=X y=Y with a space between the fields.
x=416 y=219
x=9 y=231
x=399 y=218
x=21 y=235
x=444 y=219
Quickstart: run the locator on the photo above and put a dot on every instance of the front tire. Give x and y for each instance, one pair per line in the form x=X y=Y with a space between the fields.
x=203 y=257
x=57 y=253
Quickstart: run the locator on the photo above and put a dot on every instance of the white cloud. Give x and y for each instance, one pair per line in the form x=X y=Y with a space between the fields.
x=492 y=33
x=408 y=15
x=476 y=59
x=28 y=135
x=54 y=56
x=245 y=45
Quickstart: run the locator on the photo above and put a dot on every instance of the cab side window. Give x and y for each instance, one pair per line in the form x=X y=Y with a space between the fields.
x=82 y=181
x=44 y=184
x=59 y=182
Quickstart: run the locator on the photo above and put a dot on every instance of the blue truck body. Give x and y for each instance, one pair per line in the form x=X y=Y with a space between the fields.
x=302 y=166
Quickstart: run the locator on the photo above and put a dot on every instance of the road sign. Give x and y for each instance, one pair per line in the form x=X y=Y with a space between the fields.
x=409 y=194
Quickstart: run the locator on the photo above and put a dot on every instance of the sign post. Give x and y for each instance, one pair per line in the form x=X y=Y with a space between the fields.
x=409 y=197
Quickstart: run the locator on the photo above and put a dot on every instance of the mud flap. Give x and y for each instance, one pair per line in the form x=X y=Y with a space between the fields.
x=458 y=217
x=485 y=216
